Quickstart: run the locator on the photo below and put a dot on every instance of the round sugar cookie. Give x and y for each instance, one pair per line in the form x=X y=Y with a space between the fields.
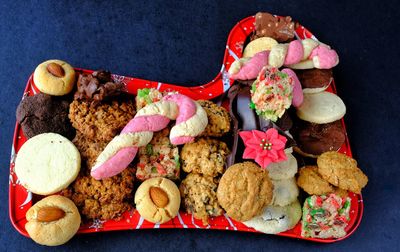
x=283 y=170
x=47 y=163
x=276 y=219
x=53 y=220
x=259 y=45
x=285 y=191
x=324 y=107
x=157 y=200
x=54 y=77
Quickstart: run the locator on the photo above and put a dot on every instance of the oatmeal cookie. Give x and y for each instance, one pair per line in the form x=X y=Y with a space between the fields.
x=244 y=191
x=341 y=170
x=159 y=158
x=218 y=119
x=89 y=149
x=102 y=199
x=311 y=182
x=199 y=196
x=100 y=121
x=204 y=156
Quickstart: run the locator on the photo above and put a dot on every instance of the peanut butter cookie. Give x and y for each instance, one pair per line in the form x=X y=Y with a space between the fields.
x=244 y=191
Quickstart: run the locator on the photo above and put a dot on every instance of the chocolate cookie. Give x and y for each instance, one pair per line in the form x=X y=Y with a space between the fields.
x=279 y=28
x=100 y=121
x=314 y=80
x=244 y=190
x=313 y=139
x=43 y=113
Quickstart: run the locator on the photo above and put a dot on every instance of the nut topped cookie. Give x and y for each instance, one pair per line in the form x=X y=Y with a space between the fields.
x=199 y=196
x=218 y=119
x=205 y=156
x=341 y=170
x=244 y=190
x=100 y=121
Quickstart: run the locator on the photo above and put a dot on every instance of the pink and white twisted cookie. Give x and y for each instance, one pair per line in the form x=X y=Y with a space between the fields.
x=191 y=120
x=298 y=54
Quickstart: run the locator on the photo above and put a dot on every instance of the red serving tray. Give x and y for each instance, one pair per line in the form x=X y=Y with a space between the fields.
x=20 y=200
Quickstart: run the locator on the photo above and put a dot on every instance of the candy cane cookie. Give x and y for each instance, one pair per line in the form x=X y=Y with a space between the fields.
x=191 y=120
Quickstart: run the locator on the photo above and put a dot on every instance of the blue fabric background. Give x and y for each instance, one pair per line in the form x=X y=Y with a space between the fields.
x=183 y=42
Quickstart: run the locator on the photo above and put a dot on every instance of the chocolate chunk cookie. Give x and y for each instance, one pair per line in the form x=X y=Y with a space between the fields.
x=244 y=190
x=199 y=196
x=204 y=156
x=101 y=121
x=43 y=113
x=218 y=119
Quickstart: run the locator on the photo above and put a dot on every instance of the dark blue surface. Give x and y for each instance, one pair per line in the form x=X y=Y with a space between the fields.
x=183 y=42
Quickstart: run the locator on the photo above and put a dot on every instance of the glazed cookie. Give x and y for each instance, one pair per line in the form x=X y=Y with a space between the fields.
x=199 y=196
x=54 y=77
x=89 y=149
x=159 y=158
x=43 y=113
x=100 y=121
x=218 y=119
x=283 y=170
x=47 y=163
x=341 y=170
x=240 y=200
x=276 y=219
x=204 y=156
x=157 y=200
x=102 y=199
x=53 y=220
x=285 y=192
x=311 y=182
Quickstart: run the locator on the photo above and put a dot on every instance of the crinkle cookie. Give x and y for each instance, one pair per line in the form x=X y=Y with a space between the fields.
x=204 y=156
x=100 y=121
x=244 y=191
x=199 y=194
x=218 y=119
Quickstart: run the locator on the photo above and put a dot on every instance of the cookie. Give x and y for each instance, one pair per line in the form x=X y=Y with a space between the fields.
x=315 y=80
x=341 y=170
x=157 y=200
x=283 y=170
x=276 y=219
x=43 y=113
x=89 y=149
x=159 y=158
x=54 y=77
x=218 y=119
x=199 y=196
x=323 y=107
x=259 y=45
x=204 y=156
x=279 y=28
x=53 y=220
x=240 y=200
x=100 y=121
x=311 y=182
x=47 y=163
x=313 y=139
x=102 y=199
x=146 y=96
x=285 y=192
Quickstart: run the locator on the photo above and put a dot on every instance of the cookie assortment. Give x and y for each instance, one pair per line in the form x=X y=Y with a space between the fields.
x=160 y=154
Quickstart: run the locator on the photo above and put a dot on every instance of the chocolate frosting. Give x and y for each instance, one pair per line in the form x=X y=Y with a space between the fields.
x=315 y=138
x=314 y=78
x=278 y=28
x=97 y=86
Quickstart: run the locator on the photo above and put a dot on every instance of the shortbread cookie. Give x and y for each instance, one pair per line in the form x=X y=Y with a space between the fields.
x=54 y=77
x=47 y=163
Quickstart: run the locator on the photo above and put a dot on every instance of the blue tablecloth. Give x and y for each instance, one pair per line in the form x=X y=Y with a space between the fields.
x=183 y=42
